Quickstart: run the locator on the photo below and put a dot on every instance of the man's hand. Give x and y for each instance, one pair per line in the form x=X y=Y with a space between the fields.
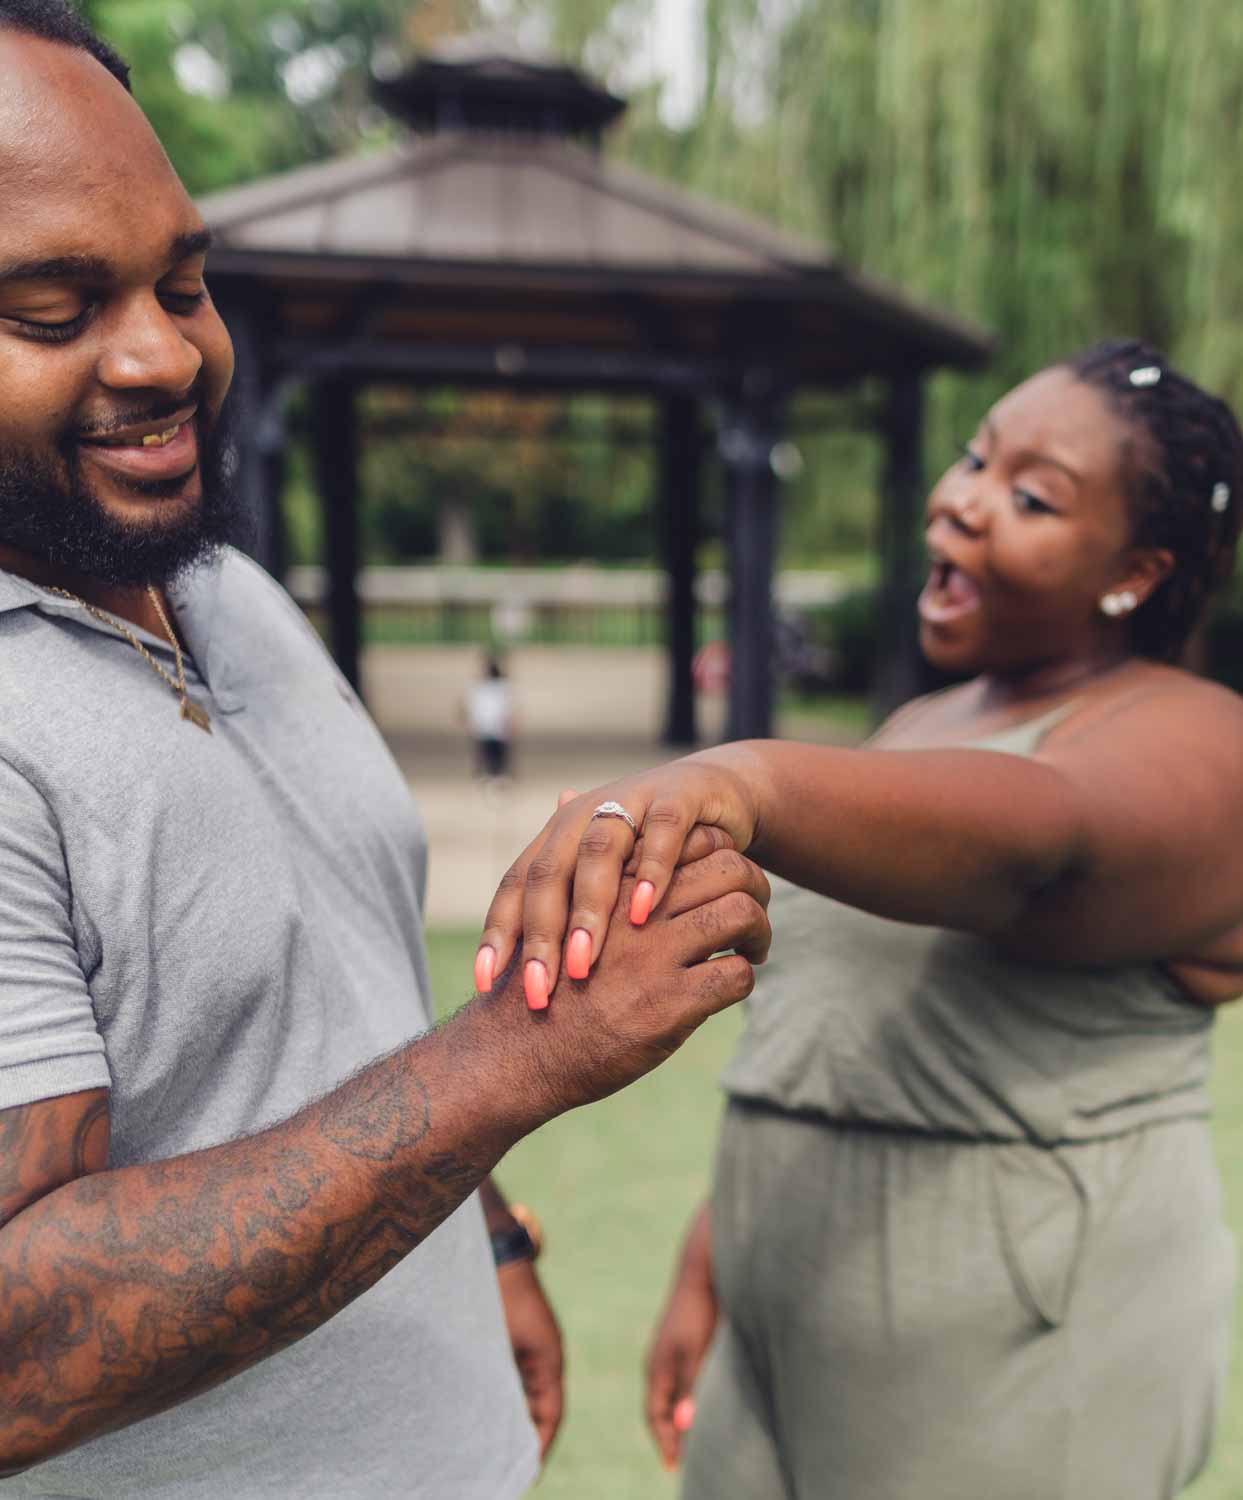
x=536 y=1341
x=533 y=1332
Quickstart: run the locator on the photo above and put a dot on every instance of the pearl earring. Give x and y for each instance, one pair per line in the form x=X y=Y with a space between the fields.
x=1116 y=605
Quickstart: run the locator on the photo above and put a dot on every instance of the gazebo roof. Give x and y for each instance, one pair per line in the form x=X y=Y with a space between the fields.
x=497 y=200
x=486 y=82
x=505 y=239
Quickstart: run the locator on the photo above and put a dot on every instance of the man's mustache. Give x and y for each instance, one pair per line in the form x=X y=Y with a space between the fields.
x=137 y=416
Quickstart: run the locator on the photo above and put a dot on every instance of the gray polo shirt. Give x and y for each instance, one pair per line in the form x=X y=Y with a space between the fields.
x=218 y=928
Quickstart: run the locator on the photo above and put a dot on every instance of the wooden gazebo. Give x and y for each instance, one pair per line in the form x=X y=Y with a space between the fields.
x=497 y=245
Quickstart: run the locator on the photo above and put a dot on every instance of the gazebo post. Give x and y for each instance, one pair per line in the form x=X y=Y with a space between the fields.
x=752 y=429
x=276 y=544
x=901 y=673
x=681 y=451
x=259 y=479
x=334 y=428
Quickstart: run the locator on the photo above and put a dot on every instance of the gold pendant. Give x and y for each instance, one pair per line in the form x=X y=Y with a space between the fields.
x=196 y=714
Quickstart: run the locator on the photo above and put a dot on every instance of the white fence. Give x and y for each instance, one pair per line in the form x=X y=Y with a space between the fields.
x=551 y=588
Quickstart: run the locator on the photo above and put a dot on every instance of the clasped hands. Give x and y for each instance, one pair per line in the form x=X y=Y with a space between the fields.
x=559 y=898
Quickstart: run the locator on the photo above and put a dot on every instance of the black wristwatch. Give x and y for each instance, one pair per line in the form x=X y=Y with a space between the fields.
x=513 y=1243
x=519 y=1240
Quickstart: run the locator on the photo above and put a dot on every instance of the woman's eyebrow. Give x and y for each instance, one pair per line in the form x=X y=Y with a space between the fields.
x=1034 y=455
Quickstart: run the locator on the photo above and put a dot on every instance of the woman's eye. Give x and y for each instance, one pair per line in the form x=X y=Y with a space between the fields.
x=1025 y=501
x=971 y=460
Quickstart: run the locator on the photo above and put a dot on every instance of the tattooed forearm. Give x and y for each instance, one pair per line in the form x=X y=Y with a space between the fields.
x=127 y=1291
x=44 y=1145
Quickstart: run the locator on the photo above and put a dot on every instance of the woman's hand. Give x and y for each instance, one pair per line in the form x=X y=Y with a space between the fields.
x=567 y=880
x=680 y=1342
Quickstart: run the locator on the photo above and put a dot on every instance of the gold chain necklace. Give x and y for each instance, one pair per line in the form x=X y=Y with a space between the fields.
x=195 y=712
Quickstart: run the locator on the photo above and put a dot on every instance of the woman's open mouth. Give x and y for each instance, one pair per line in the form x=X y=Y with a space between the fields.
x=948 y=595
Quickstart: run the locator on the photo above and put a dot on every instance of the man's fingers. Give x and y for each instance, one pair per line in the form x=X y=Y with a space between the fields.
x=722 y=982
x=546 y=1410
x=715 y=875
x=702 y=840
x=736 y=920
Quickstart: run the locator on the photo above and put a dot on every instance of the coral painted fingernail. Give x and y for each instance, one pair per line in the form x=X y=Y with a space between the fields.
x=578 y=954
x=535 y=984
x=641 y=902
x=670 y=1464
x=485 y=968
x=684 y=1414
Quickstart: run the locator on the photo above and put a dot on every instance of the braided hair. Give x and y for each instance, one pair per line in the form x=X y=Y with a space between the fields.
x=1183 y=481
x=59 y=21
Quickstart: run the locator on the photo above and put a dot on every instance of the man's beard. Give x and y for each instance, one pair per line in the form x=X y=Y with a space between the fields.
x=48 y=510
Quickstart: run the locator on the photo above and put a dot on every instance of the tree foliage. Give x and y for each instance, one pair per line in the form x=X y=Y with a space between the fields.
x=237 y=89
x=1056 y=169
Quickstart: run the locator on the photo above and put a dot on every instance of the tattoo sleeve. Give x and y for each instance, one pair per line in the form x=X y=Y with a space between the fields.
x=124 y=1292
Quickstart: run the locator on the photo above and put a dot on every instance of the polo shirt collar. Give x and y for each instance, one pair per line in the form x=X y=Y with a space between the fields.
x=195 y=599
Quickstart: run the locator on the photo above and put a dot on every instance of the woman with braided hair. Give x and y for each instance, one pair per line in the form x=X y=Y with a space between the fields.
x=966 y=1240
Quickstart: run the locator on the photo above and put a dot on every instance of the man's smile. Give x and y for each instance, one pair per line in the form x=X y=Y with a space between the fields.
x=152 y=450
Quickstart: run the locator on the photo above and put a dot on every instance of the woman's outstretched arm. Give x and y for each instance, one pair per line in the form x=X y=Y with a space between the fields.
x=1123 y=839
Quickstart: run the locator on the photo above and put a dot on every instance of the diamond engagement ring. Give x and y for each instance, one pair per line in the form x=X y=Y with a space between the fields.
x=615 y=810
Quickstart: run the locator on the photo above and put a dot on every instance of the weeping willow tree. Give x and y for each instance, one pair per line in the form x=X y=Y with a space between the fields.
x=1057 y=169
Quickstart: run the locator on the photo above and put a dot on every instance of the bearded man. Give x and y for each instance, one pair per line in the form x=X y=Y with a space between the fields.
x=210 y=882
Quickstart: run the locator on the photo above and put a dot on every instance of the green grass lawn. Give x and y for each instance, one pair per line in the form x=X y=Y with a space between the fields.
x=614 y=1186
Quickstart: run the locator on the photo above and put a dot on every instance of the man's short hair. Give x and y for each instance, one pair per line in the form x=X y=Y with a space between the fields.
x=58 y=21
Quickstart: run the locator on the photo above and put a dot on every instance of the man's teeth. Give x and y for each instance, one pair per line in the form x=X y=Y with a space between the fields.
x=148 y=440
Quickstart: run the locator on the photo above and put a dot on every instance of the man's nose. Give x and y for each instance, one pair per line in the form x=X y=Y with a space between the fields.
x=147 y=350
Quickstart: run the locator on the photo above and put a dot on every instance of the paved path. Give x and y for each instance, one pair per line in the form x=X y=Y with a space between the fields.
x=586 y=716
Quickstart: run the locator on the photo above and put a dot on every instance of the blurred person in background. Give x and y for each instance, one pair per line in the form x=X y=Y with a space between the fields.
x=966 y=1237
x=489 y=713
x=211 y=880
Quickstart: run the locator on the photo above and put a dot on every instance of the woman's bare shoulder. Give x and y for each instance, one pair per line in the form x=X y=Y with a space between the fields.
x=1152 y=698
